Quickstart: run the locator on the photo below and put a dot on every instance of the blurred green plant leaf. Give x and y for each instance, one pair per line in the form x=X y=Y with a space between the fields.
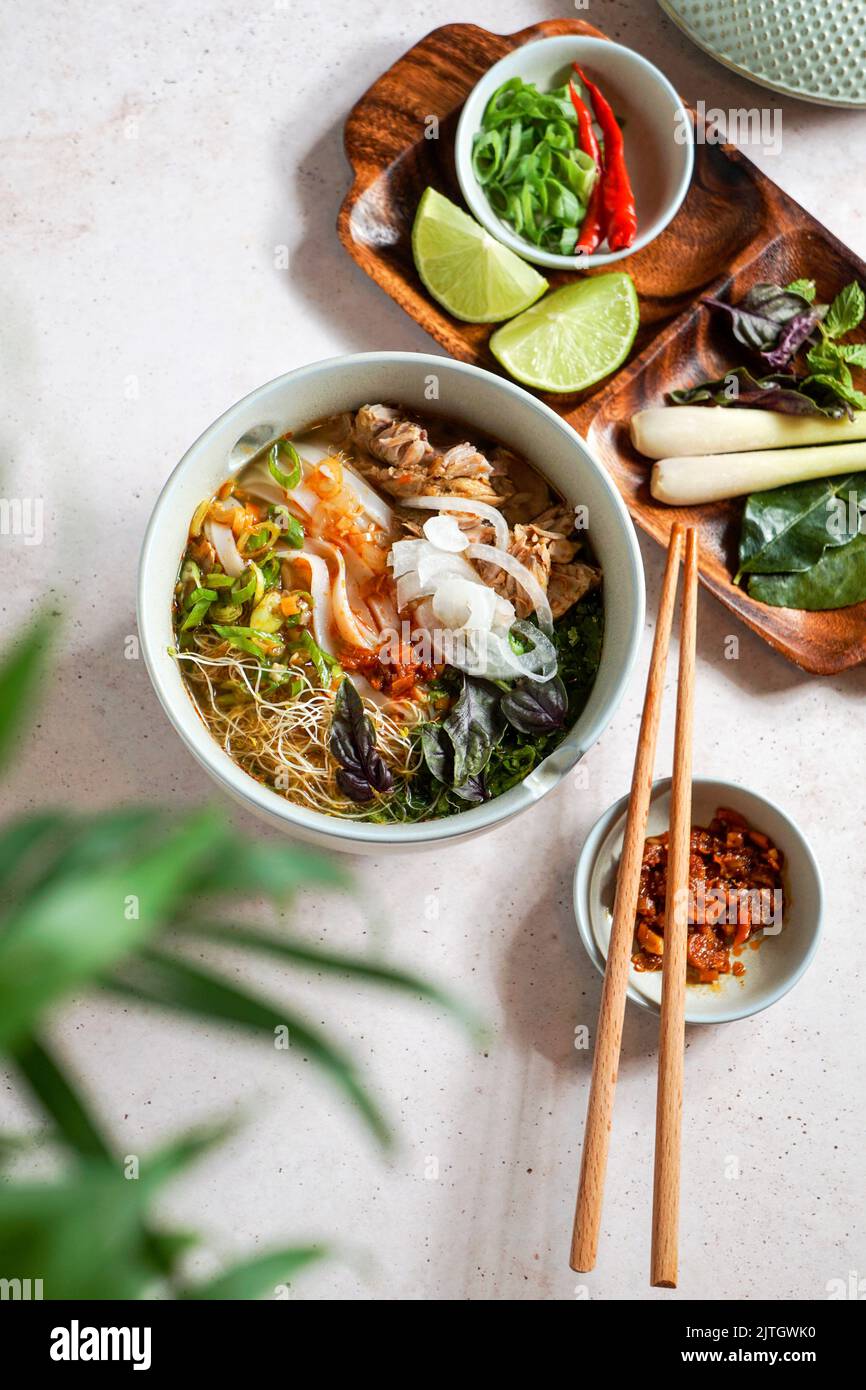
x=121 y=834
x=84 y=1236
x=313 y=957
x=156 y=978
x=254 y=867
x=20 y=673
x=63 y=1103
x=25 y=845
x=255 y=1278
x=81 y=899
x=80 y=924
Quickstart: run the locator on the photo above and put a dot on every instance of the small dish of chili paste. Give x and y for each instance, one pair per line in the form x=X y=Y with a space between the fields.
x=735 y=892
x=753 y=882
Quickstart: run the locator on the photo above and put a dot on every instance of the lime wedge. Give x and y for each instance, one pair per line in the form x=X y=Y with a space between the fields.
x=467 y=270
x=574 y=337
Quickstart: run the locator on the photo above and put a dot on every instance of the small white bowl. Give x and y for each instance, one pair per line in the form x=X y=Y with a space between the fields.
x=484 y=402
x=781 y=959
x=657 y=133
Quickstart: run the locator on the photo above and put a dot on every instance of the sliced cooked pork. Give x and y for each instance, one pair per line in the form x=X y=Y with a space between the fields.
x=404 y=463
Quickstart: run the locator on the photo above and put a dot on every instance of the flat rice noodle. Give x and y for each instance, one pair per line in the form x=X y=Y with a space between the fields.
x=383 y=611
x=319 y=587
x=373 y=506
x=356 y=566
x=351 y=615
x=258 y=482
x=223 y=541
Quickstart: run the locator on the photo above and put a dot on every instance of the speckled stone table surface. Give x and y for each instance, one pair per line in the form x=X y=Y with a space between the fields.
x=156 y=159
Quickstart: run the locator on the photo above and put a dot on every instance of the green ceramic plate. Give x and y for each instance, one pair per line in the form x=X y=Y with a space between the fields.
x=814 y=49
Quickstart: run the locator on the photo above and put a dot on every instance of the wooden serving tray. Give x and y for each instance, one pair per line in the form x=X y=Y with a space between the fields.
x=736 y=226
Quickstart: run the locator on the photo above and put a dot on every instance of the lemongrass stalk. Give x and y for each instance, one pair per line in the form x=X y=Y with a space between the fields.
x=686 y=482
x=678 y=431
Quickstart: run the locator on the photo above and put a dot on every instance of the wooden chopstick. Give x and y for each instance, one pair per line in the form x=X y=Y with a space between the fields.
x=669 y=1101
x=605 y=1064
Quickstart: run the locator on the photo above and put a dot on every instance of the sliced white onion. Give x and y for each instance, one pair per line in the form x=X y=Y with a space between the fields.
x=223 y=541
x=404 y=556
x=492 y=555
x=409 y=590
x=504 y=615
x=464 y=504
x=491 y=655
x=435 y=564
x=445 y=534
x=427 y=561
x=541 y=662
x=486 y=654
x=462 y=605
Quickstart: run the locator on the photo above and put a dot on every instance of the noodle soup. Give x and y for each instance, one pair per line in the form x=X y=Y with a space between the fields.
x=386 y=619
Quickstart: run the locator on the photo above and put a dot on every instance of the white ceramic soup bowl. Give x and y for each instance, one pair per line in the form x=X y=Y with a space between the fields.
x=481 y=401
x=657 y=134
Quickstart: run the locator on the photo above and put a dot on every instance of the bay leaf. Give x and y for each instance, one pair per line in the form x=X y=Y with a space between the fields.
x=837 y=581
x=788 y=529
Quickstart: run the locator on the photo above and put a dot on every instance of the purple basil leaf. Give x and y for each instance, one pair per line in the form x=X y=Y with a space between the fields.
x=782 y=392
x=535 y=707
x=793 y=336
x=352 y=743
x=759 y=319
x=474 y=725
x=473 y=790
x=378 y=772
x=355 y=788
x=438 y=753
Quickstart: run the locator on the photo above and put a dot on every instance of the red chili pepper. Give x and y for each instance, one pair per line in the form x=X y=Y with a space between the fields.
x=617 y=198
x=590 y=231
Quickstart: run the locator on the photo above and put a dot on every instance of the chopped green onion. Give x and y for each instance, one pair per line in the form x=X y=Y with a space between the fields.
x=527 y=159
x=195 y=615
x=293 y=532
x=326 y=666
x=290 y=528
x=226 y=612
x=270 y=571
x=285 y=452
x=256 y=539
x=190 y=574
x=242 y=638
x=198 y=595
x=241 y=592
x=215 y=580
